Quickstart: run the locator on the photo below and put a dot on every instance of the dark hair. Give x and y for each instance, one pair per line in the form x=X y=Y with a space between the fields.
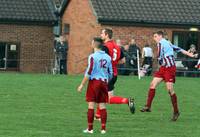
x=98 y=41
x=109 y=32
x=159 y=33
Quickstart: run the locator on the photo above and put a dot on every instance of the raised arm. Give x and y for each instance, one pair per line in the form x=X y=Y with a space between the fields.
x=189 y=54
x=178 y=49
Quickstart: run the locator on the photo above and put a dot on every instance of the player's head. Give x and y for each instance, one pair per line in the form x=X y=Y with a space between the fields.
x=157 y=36
x=97 y=42
x=106 y=33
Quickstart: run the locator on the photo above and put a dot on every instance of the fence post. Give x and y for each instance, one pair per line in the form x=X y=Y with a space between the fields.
x=138 y=64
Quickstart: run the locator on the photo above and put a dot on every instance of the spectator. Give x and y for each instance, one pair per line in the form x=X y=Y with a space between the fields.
x=61 y=51
x=192 y=49
x=126 y=69
x=133 y=53
x=147 y=55
x=118 y=42
x=190 y=62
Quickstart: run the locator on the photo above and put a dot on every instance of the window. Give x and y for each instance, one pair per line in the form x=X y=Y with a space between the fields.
x=9 y=56
x=66 y=29
x=185 y=39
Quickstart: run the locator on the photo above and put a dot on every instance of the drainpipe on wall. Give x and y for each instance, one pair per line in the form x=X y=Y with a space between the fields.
x=57 y=33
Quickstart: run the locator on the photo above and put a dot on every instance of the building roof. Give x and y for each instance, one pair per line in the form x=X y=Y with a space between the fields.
x=27 y=11
x=167 y=12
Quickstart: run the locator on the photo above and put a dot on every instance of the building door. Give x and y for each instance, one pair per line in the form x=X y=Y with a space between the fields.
x=9 y=56
x=2 y=56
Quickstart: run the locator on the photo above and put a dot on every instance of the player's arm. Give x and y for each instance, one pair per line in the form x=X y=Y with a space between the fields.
x=178 y=49
x=87 y=73
x=122 y=57
x=80 y=87
x=189 y=54
x=110 y=70
x=122 y=61
x=159 y=54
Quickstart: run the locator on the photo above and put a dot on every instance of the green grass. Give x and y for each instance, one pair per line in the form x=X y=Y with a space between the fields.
x=49 y=106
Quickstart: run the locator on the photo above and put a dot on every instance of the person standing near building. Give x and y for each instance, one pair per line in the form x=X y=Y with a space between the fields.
x=61 y=51
x=166 y=72
x=98 y=72
x=133 y=48
x=147 y=55
x=191 y=62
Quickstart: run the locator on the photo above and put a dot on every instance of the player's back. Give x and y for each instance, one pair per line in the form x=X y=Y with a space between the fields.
x=102 y=67
x=167 y=53
x=166 y=49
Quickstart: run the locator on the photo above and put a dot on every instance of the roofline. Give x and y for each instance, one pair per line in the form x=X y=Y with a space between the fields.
x=64 y=5
x=52 y=8
x=147 y=24
x=26 y=22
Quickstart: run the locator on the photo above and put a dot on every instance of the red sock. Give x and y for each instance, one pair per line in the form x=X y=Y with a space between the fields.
x=118 y=100
x=103 y=119
x=97 y=115
x=151 y=95
x=174 y=102
x=90 y=117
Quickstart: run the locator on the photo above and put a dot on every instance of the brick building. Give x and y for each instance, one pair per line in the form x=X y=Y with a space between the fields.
x=83 y=19
x=26 y=35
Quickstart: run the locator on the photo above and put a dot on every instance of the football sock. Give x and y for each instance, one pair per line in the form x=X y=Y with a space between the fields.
x=90 y=117
x=151 y=95
x=174 y=102
x=97 y=115
x=118 y=100
x=103 y=119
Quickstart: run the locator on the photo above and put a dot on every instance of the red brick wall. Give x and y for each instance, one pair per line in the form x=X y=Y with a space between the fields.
x=36 y=45
x=84 y=26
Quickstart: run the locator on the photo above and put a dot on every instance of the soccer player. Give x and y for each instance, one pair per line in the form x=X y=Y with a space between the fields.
x=98 y=72
x=117 y=57
x=166 y=72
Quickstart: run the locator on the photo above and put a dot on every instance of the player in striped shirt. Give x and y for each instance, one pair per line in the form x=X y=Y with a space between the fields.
x=98 y=72
x=166 y=72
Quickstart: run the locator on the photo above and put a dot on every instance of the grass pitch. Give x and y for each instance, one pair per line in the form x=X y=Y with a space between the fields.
x=49 y=106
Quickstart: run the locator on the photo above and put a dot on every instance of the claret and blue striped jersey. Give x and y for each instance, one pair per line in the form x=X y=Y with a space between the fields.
x=99 y=66
x=166 y=53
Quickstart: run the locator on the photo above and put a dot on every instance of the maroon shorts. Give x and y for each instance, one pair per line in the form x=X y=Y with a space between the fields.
x=97 y=91
x=168 y=74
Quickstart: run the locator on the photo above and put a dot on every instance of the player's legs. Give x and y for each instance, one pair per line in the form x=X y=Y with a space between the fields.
x=115 y=99
x=90 y=117
x=103 y=116
x=118 y=99
x=170 y=89
x=151 y=93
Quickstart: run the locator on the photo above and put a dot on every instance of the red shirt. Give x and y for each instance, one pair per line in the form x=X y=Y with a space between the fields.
x=115 y=53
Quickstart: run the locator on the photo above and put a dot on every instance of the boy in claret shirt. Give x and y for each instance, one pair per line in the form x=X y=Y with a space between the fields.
x=98 y=72
x=166 y=72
